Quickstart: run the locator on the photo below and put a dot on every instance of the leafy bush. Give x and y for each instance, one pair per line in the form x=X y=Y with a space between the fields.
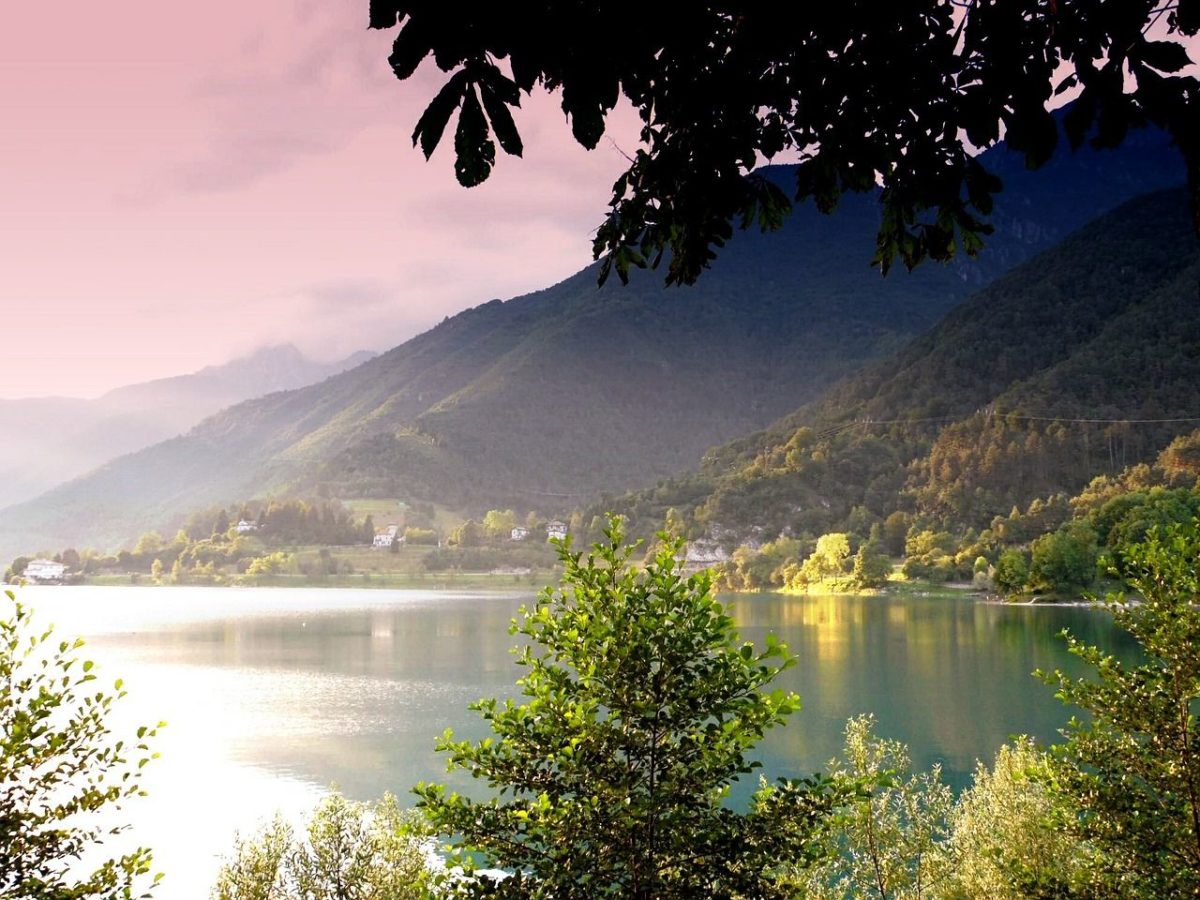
x=1012 y=572
x=889 y=843
x=1007 y=837
x=60 y=771
x=1132 y=765
x=1064 y=561
x=350 y=850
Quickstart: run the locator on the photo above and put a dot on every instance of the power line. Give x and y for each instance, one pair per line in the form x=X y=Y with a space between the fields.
x=1075 y=420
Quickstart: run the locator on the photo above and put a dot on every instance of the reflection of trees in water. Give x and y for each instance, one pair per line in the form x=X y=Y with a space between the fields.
x=951 y=678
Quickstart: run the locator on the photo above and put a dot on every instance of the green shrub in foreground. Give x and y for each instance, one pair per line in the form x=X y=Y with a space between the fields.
x=350 y=851
x=60 y=771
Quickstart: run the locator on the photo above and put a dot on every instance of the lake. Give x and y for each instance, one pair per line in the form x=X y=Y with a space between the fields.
x=272 y=695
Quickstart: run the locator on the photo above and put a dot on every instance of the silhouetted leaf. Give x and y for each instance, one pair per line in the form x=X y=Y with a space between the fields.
x=474 y=151
x=718 y=93
x=382 y=13
x=502 y=123
x=1166 y=56
x=433 y=121
x=410 y=47
x=1188 y=16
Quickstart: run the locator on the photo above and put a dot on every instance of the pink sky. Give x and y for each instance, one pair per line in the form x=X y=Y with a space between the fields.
x=182 y=183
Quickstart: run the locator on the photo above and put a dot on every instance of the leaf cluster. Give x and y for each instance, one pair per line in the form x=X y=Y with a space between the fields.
x=348 y=850
x=896 y=94
x=1132 y=765
x=60 y=769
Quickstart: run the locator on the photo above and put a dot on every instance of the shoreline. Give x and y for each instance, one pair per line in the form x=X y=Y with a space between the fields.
x=487 y=582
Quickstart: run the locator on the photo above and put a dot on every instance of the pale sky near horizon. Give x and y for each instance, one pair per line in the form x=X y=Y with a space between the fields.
x=182 y=183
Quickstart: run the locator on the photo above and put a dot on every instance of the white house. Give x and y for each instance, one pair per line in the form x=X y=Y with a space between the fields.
x=520 y=533
x=387 y=537
x=44 y=570
x=703 y=554
x=245 y=527
x=556 y=530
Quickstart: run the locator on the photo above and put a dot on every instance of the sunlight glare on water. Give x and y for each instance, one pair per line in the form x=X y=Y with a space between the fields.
x=273 y=695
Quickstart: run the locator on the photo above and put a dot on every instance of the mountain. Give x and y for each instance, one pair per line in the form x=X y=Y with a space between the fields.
x=548 y=399
x=1079 y=362
x=50 y=440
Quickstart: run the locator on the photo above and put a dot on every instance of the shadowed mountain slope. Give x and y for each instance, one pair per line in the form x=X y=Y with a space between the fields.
x=1079 y=362
x=553 y=397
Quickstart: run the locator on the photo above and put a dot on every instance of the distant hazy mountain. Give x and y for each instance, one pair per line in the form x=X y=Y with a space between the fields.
x=554 y=397
x=49 y=440
x=1079 y=362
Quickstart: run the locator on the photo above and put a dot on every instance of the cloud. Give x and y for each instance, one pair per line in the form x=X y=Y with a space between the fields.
x=287 y=94
x=363 y=293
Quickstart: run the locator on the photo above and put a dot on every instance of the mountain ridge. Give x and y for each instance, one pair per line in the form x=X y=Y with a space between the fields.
x=55 y=439
x=1004 y=402
x=568 y=392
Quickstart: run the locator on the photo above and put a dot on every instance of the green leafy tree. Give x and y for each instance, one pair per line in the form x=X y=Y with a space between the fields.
x=17 y=569
x=641 y=707
x=1065 y=560
x=1012 y=572
x=420 y=537
x=61 y=773
x=469 y=534
x=149 y=544
x=721 y=87
x=499 y=523
x=1007 y=840
x=871 y=565
x=895 y=530
x=1133 y=765
x=890 y=844
x=350 y=851
x=271 y=564
x=828 y=561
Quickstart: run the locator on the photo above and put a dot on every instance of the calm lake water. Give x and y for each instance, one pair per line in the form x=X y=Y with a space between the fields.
x=272 y=695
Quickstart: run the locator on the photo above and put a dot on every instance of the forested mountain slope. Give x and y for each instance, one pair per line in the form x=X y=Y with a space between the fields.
x=1079 y=362
x=551 y=398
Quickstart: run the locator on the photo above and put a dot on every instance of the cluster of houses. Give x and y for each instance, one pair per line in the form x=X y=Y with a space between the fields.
x=555 y=530
x=386 y=537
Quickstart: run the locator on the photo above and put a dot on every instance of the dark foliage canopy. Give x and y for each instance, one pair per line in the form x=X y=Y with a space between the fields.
x=893 y=94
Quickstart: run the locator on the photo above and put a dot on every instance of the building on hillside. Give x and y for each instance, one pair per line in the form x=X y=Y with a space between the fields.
x=245 y=527
x=388 y=536
x=703 y=554
x=44 y=571
x=520 y=533
x=556 y=530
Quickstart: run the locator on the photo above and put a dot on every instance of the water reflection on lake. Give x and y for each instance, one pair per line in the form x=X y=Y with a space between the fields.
x=272 y=695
